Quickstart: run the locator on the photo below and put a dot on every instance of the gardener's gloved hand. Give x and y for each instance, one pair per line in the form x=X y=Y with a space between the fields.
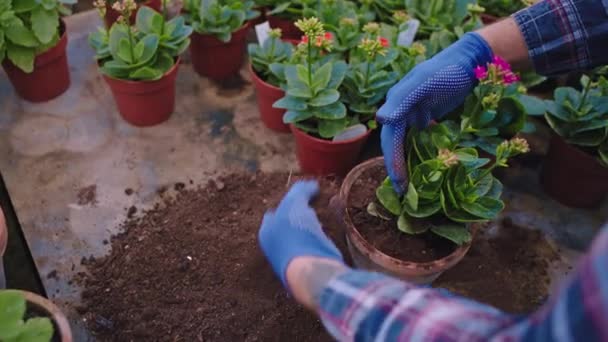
x=293 y=230
x=431 y=90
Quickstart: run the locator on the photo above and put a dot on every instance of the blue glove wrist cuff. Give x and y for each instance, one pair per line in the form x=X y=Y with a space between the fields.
x=476 y=48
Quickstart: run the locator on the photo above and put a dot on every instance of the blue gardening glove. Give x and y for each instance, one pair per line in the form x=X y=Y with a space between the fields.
x=293 y=230
x=431 y=90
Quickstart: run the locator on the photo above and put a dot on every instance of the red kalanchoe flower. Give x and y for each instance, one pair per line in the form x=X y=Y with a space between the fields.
x=384 y=42
x=305 y=39
x=480 y=72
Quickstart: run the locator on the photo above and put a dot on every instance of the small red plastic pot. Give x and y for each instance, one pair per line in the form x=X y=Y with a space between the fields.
x=51 y=75
x=573 y=177
x=267 y=95
x=288 y=28
x=324 y=157
x=112 y=15
x=215 y=59
x=145 y=103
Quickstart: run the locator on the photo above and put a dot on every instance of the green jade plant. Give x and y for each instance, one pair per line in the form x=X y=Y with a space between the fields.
x=13 y=326
x=267 y=59
x=29 y=28
x=143 y=52
x=449 y=186
x=581 y=117
x=219 y=18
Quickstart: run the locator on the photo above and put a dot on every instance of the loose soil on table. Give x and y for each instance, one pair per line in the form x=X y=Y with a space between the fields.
x=383 y=234
x=87 y=195
x=191 y=270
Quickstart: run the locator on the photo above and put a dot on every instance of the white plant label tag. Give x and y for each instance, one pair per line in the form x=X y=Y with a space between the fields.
x=351 y=132
x=262 y=31
x=406 y=38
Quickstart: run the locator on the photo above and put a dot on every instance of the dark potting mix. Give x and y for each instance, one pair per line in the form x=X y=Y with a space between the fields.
x=190 y=269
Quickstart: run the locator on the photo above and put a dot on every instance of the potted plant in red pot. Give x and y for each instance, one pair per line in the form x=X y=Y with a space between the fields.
x=33 y=48
x=25 y=316
x=265 y=60
x=429 y=229
x=283 y=14
x=140 y=62
x=112 y=15
x=575 y=170
x=220 y=32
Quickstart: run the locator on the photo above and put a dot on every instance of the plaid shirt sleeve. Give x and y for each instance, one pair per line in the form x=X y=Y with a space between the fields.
x=565 y=35
x=363 y=306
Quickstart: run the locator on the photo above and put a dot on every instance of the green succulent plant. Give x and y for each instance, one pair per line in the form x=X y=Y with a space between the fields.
x=449 y=185
x=273 y=51
x=13 y=326
x=29 y=28
x=219 y=18
x=503 y=8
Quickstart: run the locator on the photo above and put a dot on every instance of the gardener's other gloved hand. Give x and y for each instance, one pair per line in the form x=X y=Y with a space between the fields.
x=293 y=230
x=431 y=90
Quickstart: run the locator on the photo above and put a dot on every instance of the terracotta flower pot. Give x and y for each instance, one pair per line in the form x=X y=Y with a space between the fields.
x=112 y=15
x=488 y=19
x=324 y=157
x=145 y=103
x=267 y=95
x=51 y=75
x=366 y=256
x=288 y=28
x=215 y=59
x=41 y=305
x=573 y=177
x=3 y=234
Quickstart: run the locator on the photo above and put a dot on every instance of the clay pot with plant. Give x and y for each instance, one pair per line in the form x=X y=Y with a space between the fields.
x=283 y=14
x=451 y=193
x=25 y=316
x=33 y=48
x=575 y=170
x=112 y=15
x=220 y=32
x=265 y=60
x=140 y=62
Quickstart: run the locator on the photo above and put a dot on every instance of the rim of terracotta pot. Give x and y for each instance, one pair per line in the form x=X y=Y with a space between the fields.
x=300 y=132
x=377 y=256
x=56 y=51
x=3 y=233
x=65 y=332
x=258 y=78
x=134 y=83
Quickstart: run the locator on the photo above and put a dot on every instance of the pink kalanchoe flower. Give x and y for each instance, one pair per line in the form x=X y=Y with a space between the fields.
x=510 y=78
x=501 y=63
x=481 y=72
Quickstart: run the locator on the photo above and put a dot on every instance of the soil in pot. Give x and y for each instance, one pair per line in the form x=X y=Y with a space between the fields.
x=191 y=270
x=383 y=234
x=51 y=75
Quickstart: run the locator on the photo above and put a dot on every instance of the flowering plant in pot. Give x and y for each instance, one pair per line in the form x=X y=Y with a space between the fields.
x=268 y=76
x=112 y=15
x=33 y=43
x=283 y=14
x=496 y=9
x=575 y=170
x=220 y=32
x=451 y=191
x=140 y=62
x=25 y=316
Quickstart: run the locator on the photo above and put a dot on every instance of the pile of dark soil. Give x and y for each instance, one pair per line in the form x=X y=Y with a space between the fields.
x=191 y=270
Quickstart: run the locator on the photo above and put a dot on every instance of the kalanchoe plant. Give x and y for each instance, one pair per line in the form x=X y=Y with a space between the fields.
x=504 y=8
x=449 y=185
x=29 y=28
x=581 y=117
x=13 y=326
x=273 y=51
x=312 y=99
x=142 y=52
x=493 y=111
x=219 y=18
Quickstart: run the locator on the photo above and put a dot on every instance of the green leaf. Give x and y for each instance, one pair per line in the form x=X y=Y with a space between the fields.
x=12 y=309
x=304 y=93
x=45 y=24
x=372 y=209
x=21 y=6
x=138 y=50
x=388 y=197
x=459 y=234
x=146 y=73
x=533 y=105
x=409 y=226
x=485 y=207
x=321 y=77
x=510 y=106
x=22 y=57
x=334 y=111
x=290 y=103
x=39 y=329
x=294 y=116
x=149 y=21
x=124 y=51
x=411 y=196
x=21 y=36
x=324 y=98
x=330 y=128
x=337 y=74
x=303 y=74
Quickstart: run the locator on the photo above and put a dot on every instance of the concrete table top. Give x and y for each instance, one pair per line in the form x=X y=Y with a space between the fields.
x=51 y=152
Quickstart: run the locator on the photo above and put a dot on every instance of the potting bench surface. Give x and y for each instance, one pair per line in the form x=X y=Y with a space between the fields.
x=68 y=163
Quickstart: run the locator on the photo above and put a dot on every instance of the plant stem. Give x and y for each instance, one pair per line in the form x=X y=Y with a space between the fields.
x=309 y=60
x=130 y=34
